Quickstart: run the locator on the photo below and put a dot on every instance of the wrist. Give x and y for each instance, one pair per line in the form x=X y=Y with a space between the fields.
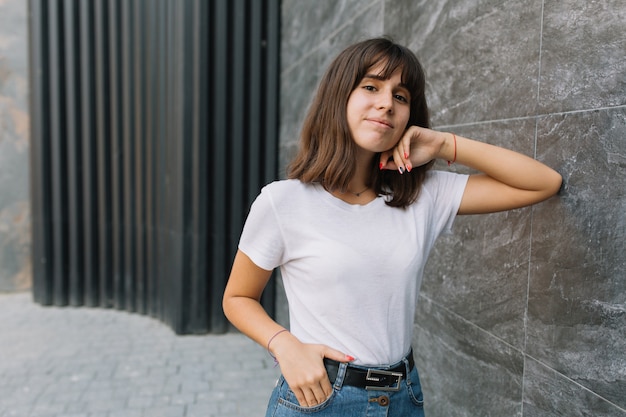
x=448 y=149
x=270 y=342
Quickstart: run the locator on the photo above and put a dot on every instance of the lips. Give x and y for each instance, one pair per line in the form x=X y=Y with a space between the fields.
x=381 y=122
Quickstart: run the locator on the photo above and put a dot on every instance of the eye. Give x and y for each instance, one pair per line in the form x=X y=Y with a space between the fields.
x=369 y=87
x=401 y=98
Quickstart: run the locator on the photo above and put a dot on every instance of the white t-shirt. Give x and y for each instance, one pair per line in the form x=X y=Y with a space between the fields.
x=351 y=273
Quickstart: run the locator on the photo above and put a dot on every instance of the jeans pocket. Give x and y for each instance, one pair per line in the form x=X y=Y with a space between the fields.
x=288 y=402
x=415 y=388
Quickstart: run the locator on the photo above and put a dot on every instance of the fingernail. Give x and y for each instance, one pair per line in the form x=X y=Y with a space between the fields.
x=401 y=170
x=350 y=358
x=408 y=167
x=406 y=155
x=380 y=166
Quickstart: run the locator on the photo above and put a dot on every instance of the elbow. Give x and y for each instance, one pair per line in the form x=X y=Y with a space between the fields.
x=552 y=185
x=556 y=182
x=231 y=305
x=226 y=305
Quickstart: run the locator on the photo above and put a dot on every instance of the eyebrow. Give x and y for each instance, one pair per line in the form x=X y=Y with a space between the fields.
x=381 y=78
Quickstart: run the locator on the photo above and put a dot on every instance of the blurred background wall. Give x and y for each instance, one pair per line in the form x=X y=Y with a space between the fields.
x=154 y=124
x=15 y=262
x=521 y=313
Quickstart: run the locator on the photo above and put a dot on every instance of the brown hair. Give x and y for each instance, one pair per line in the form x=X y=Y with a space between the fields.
x=327 y=150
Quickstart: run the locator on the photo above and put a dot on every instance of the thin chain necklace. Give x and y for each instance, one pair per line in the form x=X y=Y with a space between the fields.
x=351 y=192
x=360 y=192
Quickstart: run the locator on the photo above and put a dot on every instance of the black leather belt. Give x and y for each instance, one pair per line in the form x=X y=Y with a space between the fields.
x=372 y=378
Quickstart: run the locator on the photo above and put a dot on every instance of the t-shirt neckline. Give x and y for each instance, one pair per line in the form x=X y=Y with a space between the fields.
x=337 y=202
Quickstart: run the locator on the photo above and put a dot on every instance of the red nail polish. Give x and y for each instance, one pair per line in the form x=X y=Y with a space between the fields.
x=406 y=155
x=408 y=167
x=380 y=166
x=350 y=358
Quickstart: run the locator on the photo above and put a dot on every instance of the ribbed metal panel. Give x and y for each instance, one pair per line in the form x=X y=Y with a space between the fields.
x=154 y=125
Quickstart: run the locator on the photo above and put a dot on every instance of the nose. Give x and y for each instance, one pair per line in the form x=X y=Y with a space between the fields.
x=385 y=102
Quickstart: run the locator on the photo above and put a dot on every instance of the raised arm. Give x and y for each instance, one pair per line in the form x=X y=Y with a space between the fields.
x=507 y=179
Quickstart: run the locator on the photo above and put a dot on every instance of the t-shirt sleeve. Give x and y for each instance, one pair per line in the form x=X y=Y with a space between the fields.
x=261 y=238
x=447 y=190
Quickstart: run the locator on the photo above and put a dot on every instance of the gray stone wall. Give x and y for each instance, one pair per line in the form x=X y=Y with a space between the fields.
x=521 y=313
x=15 y=265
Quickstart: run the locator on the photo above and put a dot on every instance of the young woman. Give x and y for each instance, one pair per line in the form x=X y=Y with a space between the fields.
x=351 y=230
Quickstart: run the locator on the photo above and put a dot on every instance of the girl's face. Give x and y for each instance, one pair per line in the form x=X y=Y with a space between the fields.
x=378 y=111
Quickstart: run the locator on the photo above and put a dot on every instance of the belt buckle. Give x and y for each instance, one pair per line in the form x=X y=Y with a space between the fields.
x=375 y=375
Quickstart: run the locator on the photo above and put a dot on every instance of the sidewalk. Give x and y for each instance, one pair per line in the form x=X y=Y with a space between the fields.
x=84 y=362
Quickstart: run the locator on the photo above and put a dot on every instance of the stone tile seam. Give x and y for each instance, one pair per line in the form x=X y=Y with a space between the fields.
x=528 y=276
x=540 y=54
x=530 y=245
x=531 y=117
x=463 y=319
x=330 y=35
x=523 y=353
x=571 y=381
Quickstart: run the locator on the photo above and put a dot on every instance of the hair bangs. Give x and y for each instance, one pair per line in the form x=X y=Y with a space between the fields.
x=394 y=57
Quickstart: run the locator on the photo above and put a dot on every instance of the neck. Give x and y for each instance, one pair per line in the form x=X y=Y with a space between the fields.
x=361 y=177
x=359 y=190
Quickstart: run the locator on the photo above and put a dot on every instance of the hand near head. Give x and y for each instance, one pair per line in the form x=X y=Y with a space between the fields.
x=506 y=180
x=416 y=147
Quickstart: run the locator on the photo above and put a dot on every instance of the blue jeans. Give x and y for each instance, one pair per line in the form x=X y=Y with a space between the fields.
x=348 y=401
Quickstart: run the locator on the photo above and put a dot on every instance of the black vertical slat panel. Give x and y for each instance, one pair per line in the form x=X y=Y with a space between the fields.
x=271 y=83
x=160 y=178
x=176 y=168
x=176 y=158
x=128 y=182
x=58 y=165
x=170 y=202
x=149 y=143
x=255 y=103
x=103 y=132
x=198 y=266
x=163 y=175
x=40 y=190
x=74 y=153
x=185 y=130
x=89 y=157
x=270 y=117
x=238 y=134
x=139 y=105
x=151 y=129
x=256 y=119
x=220 y=133
x=117 y=156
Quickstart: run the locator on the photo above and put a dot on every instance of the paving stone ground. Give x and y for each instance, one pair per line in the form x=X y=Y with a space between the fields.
x=85 y=362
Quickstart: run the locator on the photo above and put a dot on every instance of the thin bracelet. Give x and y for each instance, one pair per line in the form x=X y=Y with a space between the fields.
x=270 y=341
x=453 y=159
